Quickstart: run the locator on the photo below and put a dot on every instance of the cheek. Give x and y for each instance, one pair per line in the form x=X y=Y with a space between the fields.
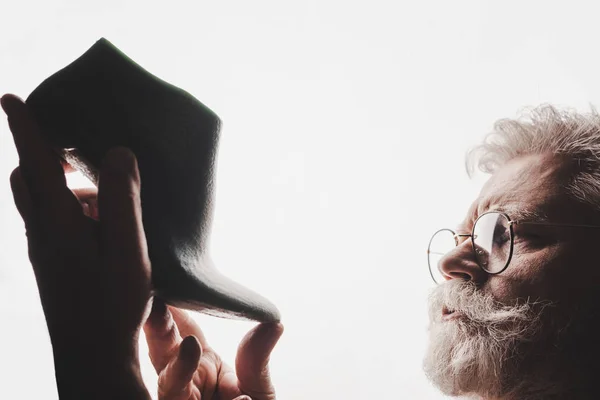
x=577 y=270
x=553 y=273
x=537 y=276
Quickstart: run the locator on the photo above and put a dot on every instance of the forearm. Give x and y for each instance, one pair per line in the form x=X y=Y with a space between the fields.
x=122 y=387
x=96 y=376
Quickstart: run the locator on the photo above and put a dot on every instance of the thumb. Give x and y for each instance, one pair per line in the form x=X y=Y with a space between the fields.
x=252 y=361
x=175 y=381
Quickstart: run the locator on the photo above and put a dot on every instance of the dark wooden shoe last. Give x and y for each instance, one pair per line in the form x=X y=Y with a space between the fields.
x=104 y=99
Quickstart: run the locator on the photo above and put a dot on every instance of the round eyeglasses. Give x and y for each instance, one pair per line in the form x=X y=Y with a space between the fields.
x=492 y=240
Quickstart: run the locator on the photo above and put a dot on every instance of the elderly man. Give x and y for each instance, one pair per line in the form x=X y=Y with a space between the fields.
x=515 y=315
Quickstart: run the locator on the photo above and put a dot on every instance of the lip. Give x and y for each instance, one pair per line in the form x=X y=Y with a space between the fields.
x=449 y=315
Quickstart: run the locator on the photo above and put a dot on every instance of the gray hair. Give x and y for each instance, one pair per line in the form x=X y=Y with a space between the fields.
x=542 y=130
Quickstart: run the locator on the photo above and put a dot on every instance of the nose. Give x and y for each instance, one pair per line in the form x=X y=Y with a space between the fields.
x=460 y=263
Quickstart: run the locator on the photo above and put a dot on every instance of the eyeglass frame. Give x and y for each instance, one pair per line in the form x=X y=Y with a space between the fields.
x=511 y=223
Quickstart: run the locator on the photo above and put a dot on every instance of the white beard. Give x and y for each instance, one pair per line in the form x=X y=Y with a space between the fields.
x=477 y=353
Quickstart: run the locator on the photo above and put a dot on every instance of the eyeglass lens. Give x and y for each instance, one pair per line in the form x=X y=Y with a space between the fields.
x=492 y=244
x=441 y=243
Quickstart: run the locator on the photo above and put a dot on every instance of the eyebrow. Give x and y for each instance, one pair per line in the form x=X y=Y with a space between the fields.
x=516 y=214
x=522 y=215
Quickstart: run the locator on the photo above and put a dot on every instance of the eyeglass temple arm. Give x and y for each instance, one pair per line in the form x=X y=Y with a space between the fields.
x=554 y=224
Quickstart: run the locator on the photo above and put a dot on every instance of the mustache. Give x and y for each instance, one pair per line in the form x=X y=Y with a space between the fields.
x=482 y=309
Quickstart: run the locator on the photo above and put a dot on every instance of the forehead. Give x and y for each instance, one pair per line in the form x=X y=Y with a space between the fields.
x=528 y=187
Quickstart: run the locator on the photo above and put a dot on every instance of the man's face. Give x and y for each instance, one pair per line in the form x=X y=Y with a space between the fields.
x=488 y=332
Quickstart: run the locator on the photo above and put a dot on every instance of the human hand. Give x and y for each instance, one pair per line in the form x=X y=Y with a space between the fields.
x=93 y=277
x=189 y=369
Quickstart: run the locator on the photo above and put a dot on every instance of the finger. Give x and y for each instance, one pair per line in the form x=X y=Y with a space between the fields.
x=119 y=205
x=85 y=194
x=210 y=359
x=21 y=196
x=162 y=335
x=93 y=209
x=243 y=397
x=67 y=168
x=88 y=198
x=252 y=360
x=188 y=327
x=40 y=166
x=175 y=382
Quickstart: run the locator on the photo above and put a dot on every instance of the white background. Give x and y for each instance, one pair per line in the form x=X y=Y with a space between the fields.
x=345 y=127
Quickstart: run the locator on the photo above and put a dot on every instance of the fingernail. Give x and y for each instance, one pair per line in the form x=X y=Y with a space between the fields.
x=120 y=160
x=190 y=350
x=158 y=306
